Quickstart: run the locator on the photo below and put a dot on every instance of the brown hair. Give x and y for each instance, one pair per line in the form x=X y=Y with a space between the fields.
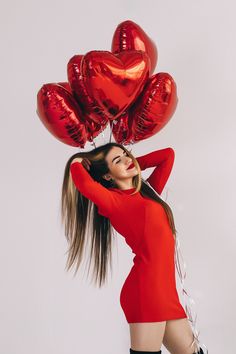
x=76 y=212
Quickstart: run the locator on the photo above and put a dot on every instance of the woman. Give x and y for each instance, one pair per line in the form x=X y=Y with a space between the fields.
x=107 y=182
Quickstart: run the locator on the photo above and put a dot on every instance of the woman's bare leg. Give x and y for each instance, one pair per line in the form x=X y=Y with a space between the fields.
x=178 y=337
x=147 y=336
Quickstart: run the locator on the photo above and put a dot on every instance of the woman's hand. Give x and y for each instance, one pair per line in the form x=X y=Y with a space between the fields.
x=85 y=161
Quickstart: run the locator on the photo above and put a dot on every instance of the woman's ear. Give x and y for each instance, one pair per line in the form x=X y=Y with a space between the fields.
x=107 y=177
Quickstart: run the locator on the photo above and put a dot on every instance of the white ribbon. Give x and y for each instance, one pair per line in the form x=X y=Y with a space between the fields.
x=187 y=297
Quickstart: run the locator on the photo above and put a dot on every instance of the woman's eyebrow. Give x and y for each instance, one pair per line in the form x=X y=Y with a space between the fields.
x=117 y=156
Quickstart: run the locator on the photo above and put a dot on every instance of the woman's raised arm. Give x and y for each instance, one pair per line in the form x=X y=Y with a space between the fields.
x=91 y=189
x=163 y=160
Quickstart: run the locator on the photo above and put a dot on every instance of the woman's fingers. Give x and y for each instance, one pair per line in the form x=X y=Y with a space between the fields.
x=86 y=163
x=87 y=160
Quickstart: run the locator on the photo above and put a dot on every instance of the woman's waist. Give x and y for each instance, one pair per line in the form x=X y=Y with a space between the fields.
x=153 y=262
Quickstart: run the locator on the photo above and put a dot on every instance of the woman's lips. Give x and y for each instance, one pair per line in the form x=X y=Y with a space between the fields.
x=130 y=166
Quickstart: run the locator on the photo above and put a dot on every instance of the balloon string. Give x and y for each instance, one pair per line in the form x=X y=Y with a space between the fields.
x=93 y=142
x=187 y=297
x=111 y=127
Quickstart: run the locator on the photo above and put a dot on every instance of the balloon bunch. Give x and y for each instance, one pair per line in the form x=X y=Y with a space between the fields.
x=115 y=88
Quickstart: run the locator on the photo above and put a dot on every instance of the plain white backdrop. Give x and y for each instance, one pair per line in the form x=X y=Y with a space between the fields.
x=43 y=309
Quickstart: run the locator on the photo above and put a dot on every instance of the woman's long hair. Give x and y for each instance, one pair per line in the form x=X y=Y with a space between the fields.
x=77 y=211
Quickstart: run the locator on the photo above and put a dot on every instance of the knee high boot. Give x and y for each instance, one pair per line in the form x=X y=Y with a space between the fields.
x=143 y=352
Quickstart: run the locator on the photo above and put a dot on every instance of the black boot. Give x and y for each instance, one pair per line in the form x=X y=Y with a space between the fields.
x=200 y=351
x=143 y=352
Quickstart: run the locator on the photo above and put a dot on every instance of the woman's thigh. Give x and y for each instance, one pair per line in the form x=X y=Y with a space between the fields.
x=147 y=336
x=178 y=337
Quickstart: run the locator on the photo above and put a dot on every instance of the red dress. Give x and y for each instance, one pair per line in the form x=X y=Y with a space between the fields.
x=149 y=292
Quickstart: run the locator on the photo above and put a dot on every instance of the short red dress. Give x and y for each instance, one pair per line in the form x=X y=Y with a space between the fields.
x=149 y=293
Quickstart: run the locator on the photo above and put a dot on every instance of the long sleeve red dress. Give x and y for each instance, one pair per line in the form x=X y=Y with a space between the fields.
x=149 y=293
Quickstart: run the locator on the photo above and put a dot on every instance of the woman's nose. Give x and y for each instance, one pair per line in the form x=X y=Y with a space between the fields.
x=128 y=161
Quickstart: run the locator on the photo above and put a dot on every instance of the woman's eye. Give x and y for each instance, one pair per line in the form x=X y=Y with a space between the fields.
x=124 y=154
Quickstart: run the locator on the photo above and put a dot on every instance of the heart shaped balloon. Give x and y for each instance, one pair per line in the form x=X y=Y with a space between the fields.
x=61 y=115
x=130 y=36
x=114 y=81
x=88 y=104
x=151 y=111
x=92 y=129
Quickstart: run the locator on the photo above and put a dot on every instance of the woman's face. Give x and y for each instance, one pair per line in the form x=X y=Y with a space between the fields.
x=118 y=163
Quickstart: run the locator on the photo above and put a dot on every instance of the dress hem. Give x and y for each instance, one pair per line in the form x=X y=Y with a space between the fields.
x=159 y=320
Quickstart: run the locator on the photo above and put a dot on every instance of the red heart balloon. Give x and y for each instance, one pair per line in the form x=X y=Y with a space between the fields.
x=154 y=107
x=130 y=36
x=114 y=80
x=61 y=114
x=151 y=111
x=88 y=104
x=93 y=128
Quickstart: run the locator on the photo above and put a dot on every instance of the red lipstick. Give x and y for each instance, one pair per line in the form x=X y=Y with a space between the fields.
x=130 y=166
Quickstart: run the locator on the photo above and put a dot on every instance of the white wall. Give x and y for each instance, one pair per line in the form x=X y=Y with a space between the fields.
x=44 y=309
